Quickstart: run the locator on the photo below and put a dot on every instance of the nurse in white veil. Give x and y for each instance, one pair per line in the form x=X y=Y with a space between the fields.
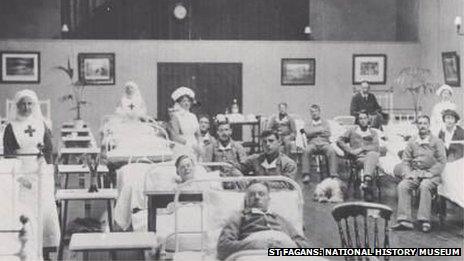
x=445 y=93
x=27 y=133
x=131 y=104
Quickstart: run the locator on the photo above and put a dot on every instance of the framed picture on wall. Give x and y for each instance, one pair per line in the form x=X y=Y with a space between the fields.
x=370 y=67
x=20 y=67
x=96 y=68
x=451 y=69
x=300 y=71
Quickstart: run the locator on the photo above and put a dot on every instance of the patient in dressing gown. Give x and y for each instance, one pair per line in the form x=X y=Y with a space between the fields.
x=257 y=227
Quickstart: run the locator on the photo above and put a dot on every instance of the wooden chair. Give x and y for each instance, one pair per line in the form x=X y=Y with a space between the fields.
x=367 y=232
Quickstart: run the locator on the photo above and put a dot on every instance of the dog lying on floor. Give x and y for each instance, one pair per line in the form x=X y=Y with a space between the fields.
x=332 y=190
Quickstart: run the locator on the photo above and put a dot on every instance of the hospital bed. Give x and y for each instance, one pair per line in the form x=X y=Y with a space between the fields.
x=141 y=176
x=125 y=140
x=452 y=180
x=197 y=225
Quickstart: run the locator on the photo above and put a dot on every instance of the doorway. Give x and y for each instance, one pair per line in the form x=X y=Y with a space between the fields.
x=215 y=86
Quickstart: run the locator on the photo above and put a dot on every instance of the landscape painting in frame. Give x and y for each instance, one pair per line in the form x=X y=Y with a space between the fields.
x=301 y=71
x=96 y=68
x=20 y=67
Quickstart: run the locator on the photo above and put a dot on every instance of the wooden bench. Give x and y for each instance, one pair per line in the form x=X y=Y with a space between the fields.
x=77 y=169
x=66 y=195
x=137 y=241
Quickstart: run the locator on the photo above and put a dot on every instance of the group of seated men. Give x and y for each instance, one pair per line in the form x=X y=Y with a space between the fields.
x=423 y=159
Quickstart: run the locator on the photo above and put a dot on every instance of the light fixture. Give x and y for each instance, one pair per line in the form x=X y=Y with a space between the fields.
x=307 y=30
x=65 y=28
x=180 y=11
x=458 y=23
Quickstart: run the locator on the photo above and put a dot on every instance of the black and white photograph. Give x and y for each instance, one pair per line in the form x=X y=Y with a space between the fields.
x=97 y=68
x=451 y=68
x=298 y=71
x=231 y=130
x=20 y=67
x=369 y=67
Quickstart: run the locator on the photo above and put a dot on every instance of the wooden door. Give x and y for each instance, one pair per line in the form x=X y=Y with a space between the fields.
x=215 y=85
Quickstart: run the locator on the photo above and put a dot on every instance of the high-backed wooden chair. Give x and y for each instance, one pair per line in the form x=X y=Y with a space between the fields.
x=363 y=221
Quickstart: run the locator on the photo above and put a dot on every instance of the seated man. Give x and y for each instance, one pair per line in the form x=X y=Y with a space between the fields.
x=362 y=144
x=318 y=133
x=424 y=159
x=224 y=149
x=452 y=135
x=247 y=230
x=205 y=135
x=271 y=161
x=366 y=101
x=284 y=125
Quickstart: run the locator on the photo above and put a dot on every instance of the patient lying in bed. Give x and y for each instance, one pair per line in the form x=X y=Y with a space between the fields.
x=134 y=179
x=256 y=227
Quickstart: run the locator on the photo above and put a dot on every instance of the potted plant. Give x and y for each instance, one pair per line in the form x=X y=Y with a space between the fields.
x=77 y=94
x=416 y=81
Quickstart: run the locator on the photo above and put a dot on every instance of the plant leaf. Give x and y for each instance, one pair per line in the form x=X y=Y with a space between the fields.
x=69 y=71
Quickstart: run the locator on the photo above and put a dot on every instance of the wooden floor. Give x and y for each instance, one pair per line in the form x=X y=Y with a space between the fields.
x=321 y=229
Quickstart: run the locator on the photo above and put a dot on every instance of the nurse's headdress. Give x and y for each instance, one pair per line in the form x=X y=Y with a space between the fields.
x=36 y=112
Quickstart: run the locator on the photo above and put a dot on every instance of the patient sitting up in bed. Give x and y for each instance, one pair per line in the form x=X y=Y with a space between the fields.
x=131 y=105
x=256 y=227
x=187 y=170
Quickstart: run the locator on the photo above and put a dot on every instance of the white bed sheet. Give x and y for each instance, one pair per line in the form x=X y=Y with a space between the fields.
x=453 y=182
x=126 y=139
x=135 y=179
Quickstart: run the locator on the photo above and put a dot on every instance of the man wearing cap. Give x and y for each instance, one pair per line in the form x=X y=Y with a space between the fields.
x=424 y=159
x=452 y=135
x=366 y=101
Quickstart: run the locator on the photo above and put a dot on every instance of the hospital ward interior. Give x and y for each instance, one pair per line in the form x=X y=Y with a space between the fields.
x=227 y=129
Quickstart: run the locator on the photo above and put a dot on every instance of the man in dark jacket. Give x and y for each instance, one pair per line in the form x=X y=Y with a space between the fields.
x=366 y=101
